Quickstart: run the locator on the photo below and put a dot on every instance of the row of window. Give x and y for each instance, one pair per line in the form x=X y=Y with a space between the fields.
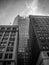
x=8 y=29
x=6 y=39
x=5 y=63
x=10 y=43
x=7 y=56
x=6 y=34
x=44 y=46
x=9 y=49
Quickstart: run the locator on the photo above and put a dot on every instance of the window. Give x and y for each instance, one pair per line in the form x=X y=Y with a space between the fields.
x=13 y=33
x=2 y=49
x=4 y=39
x=8 y=29
x=2 y=28
x=11 y=44
x=1 y=55
x=9 y=49
x=8 y=56
x=7 y=63
x=12 y=39
x=3 y=44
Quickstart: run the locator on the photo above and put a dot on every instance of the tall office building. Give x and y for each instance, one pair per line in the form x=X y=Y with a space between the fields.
x=38 y=35
x=9 y=38
x=23 y=24
x=23 y=38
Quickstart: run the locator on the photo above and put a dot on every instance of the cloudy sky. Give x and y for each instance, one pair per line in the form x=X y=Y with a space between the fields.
x=9 y=9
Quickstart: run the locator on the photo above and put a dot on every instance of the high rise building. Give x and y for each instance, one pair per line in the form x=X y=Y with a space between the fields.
x=23 y=31
x=23 y=38
x=38 y=35
x=9 y=41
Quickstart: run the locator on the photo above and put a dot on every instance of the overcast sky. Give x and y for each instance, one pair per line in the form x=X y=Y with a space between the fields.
x=9 y=9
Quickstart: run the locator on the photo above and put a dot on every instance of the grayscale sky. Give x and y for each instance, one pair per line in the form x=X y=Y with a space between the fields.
x=9 y=9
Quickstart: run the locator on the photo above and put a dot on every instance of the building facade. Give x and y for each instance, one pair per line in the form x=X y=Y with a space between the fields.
x=23 y=52
x=23 y=24
x=9 y=40
x=38 y=35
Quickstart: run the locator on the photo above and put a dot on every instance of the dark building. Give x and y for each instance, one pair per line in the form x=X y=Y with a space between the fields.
x=9 y=40
x=38 y=36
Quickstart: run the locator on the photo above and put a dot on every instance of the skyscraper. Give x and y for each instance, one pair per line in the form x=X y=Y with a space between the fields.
x=38 y=35
x=23 y=24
